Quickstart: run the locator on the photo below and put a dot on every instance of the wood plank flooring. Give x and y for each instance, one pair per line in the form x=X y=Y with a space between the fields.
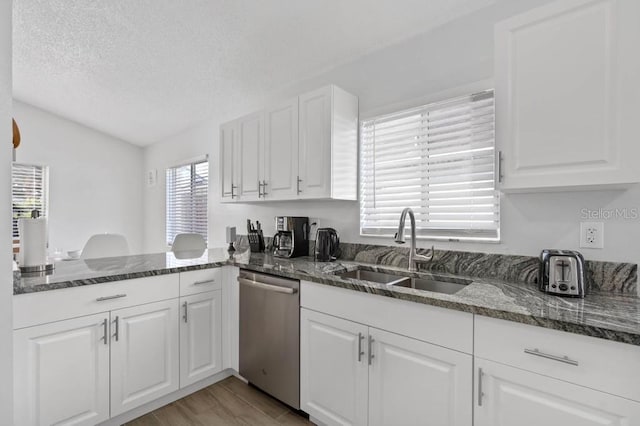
x=229 y=402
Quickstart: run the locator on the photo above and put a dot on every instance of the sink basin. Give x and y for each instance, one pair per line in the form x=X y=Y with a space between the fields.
x=376 y=277
x=438 y=286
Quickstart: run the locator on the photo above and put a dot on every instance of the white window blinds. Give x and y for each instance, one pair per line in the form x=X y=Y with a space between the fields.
x=438 y=159
x=29 y=191
x=187 y=188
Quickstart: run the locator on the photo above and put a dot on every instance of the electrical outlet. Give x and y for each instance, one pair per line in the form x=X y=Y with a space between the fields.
x=592 y=235
x=314 y=224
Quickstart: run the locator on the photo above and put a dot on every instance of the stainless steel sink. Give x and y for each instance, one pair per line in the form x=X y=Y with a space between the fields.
x=435 y=284
x=376 y=277
x=438 y=286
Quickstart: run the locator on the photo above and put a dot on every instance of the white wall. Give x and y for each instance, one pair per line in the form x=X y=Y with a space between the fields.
x=6 y=287
x=455 y=55
x=95 y=180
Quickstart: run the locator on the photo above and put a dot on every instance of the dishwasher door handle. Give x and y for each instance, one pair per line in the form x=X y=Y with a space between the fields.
x=268 y=287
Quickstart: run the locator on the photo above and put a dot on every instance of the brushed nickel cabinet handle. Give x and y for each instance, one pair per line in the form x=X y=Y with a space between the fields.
x=298 y=187
x=360 y=351
x=500 y=175
x=116 y=334
x=259 y=189
x=371 y=355
x=185 y=317
x=264 y=188
x=115 y=296
x=563 y=359
x=480 y=393
x=233 y=188
x=203 y=282
x=105 y=333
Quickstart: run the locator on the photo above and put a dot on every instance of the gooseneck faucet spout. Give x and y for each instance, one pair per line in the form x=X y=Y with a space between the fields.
x=414 y=257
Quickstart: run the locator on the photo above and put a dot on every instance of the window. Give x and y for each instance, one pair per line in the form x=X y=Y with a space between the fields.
x=438 y=159
x=187 y=187
x=29 y=191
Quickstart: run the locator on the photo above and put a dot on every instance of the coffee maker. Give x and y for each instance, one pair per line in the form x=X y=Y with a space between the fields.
x=292 y=236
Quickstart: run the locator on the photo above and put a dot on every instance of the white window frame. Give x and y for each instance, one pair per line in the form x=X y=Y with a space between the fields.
x=169 y=204
x=43 y=203
x=423 y=230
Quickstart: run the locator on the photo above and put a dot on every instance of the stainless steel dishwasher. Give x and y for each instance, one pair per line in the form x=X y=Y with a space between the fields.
x=270 y=335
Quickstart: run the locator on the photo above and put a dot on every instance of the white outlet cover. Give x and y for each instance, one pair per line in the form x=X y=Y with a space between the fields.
x=592 y=235
x=152 y=178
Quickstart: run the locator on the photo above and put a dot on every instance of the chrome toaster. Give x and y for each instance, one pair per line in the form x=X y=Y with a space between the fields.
x=562 y=273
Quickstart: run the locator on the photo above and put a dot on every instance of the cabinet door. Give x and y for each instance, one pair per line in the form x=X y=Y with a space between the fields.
x=416 y=383
x=510 y=396
x=144 y=354
x=564 y=78
x=229 y=160
x=251 y=156
x=281 y=151
x=315 y=144
x=61 y=372
x=200 y=337
x=333 y=369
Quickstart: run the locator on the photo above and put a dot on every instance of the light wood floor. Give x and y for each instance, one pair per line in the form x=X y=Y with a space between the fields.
x=229 y=402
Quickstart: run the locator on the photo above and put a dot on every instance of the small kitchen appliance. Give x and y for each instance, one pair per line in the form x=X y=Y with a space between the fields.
x=562 y=272
x=292 y=236
x=327 y=245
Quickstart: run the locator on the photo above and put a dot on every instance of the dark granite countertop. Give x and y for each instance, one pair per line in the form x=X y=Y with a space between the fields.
x=604 y=315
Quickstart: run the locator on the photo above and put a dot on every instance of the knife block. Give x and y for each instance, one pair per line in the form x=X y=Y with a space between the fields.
x=256 y=241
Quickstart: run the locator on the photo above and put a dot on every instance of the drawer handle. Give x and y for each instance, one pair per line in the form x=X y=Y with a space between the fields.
x=211 y=281
x=268 y=287
x=564 y=359
x=115 y=296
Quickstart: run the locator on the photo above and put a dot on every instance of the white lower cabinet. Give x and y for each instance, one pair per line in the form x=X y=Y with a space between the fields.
x=200 y=337
x=333 y=369
x=61 y=372
x=352 y=374
x=144 y=354
x=509 y=396
x=416 y=383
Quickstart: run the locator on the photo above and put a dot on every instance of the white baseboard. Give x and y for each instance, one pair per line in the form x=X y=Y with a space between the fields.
x=167 y=399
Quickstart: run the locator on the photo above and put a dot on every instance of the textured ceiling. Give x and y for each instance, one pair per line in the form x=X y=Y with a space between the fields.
x=143 y=70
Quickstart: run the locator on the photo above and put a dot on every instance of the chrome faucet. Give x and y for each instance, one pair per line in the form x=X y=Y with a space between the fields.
x=414 y=257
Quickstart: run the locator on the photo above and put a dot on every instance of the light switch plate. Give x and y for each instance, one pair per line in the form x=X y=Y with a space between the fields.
x=152 y=178
x=592 y=235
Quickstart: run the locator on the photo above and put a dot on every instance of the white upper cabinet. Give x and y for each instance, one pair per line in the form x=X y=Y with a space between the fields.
x=306 y=147
x=229 y=160
x=328 y=154
x=281 y=152
x=251 y=145
x=568 y=95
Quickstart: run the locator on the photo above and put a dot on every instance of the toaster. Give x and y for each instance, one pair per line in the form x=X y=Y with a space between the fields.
x=561 y=272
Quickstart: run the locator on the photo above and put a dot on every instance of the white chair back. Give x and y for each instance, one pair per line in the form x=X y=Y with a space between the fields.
x=105 y=245
x=188 y=242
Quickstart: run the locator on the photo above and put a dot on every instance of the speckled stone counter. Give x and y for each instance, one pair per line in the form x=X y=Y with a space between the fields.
x=606 y=315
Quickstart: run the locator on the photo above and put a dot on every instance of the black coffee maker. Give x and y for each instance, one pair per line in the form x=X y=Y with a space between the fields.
x=292 y=236
x=327 y=245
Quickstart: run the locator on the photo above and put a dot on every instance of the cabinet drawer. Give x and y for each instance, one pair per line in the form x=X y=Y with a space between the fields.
x=55 y=305
x=596 y=363
x=444 y=327
x=194 y=282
